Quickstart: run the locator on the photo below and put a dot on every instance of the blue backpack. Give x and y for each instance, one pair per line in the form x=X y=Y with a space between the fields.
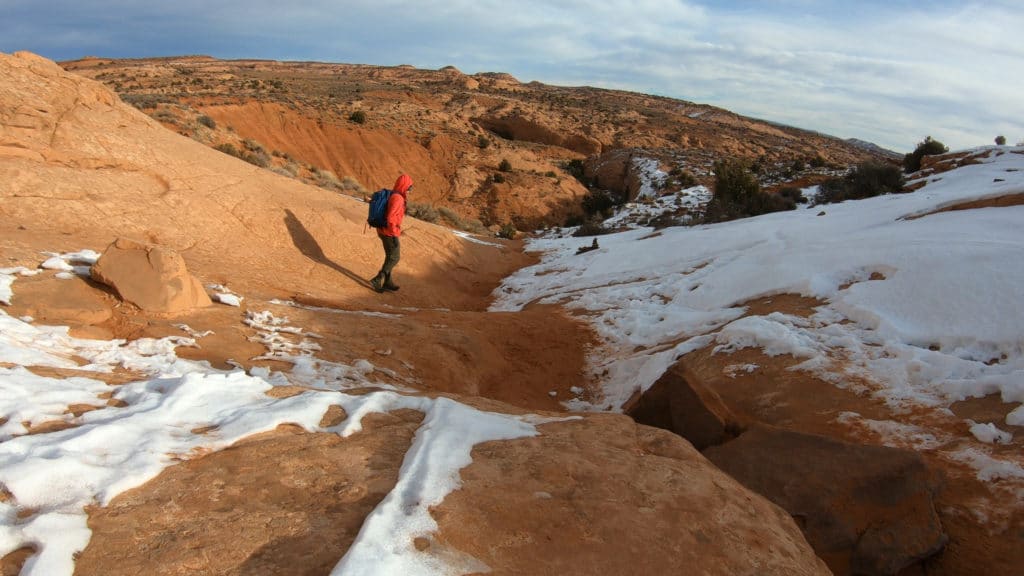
x=378 y=213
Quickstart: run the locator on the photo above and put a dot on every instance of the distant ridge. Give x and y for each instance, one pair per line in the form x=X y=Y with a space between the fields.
x=872 y=147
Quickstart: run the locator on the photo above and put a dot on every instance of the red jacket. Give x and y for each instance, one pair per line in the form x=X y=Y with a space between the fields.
x=396 y=207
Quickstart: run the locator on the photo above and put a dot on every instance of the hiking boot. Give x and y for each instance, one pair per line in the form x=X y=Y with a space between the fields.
x=378 y=282
x=389 y=285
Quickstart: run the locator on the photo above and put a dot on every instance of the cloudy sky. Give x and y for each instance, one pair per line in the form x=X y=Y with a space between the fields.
x=890 y=72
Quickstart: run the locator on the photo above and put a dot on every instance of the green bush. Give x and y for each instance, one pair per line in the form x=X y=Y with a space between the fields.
x=927 y=147
x=592 y=227
x=576 y=169
x=599 y=202
x=686 y=179
x=508 y=231
x=498 y=178
x=737 y=194
x=482 y=141
x=1000 y=140
x=359 y=117
x=505 y=165
x=792 y=193
x=865 y=180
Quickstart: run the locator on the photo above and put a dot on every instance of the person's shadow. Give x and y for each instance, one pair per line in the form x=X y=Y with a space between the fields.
x=308 y=245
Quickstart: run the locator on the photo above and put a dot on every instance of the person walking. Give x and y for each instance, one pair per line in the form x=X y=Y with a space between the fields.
x=390 y=233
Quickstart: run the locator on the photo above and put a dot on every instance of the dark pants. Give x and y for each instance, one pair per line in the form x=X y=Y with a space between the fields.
x=392 y=253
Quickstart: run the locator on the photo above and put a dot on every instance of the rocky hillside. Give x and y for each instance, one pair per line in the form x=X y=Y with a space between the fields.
x=315 y=426
x=485 y=148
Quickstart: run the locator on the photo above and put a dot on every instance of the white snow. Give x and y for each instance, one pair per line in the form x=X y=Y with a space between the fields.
x=474 y=239
x=928 y=310
x=989 y=434
x=224 y=295
x=7 y=276
x=52 y=477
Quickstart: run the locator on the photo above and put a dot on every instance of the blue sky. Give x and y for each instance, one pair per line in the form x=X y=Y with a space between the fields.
x=887 y=72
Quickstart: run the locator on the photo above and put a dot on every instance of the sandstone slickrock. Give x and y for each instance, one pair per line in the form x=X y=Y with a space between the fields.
x=79 y=168
x=866 y=510
x=284 y=502
x=603 y=495
x=71 y=302
x=151 y=277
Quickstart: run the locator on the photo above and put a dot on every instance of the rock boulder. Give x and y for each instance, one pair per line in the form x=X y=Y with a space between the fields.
x=866 y=510
x=153 y=278
x=680 y=403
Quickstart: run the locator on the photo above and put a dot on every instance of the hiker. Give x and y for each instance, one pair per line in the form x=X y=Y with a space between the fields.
x=390 y=232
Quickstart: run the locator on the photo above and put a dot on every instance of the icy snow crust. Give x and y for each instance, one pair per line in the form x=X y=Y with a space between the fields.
x=930 y=310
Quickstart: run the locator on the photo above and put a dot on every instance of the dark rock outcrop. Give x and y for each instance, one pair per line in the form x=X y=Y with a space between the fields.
x=866 y=510
x=679 y=403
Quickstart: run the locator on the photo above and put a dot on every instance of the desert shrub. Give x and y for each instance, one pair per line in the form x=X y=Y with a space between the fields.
x=253 y=146
x=449 y=215
x=282 y=170
x=686 y=179
x=792 y=193
x=508 y=230
x=574 y=219
x=145 y=101
x=228 y=148
x=737 y=194
x=865 y=180
x=359 y=117
x=551 y=174
x=455 y=221
x=1000 y=140
x=927 y=147
x=818 y=161
x=207 y=121
x=505 y=165
x=352 y=185
x=165 y=116
x=327 y=179
x=498 y=178
x=258 y=158
x=424 y=211
x=599 y=202
x=482 y=141
x=576 y=169
x=592 y=227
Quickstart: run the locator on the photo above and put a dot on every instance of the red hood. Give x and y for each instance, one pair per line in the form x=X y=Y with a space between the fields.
x=403 y=184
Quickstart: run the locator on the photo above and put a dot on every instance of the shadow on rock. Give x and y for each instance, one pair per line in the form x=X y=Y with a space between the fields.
x=309 y=247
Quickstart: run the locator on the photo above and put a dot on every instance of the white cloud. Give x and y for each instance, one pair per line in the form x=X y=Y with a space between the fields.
x=881 y=71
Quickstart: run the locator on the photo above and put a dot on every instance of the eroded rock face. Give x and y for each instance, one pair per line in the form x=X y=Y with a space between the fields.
x=866 y=510
x=527 y=130
x=153 y=278
x=616 y=171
